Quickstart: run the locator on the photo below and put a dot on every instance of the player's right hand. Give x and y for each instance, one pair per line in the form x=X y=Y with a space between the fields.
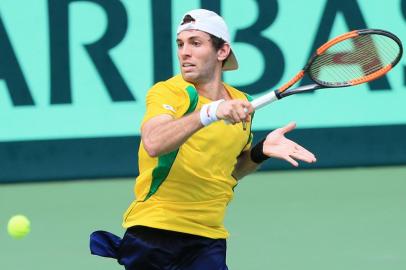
x=235 y=111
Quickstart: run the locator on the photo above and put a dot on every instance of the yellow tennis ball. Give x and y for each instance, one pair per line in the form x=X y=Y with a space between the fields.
x=18 y=226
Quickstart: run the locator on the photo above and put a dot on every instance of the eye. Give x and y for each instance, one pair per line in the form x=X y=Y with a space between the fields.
x=196 y=43
x=179 y=44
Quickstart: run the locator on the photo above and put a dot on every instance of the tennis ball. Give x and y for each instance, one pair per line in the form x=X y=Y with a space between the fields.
x=18 y=226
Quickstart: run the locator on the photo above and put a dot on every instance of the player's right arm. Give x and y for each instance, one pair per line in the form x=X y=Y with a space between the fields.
x=165 y=127
x=163 y=133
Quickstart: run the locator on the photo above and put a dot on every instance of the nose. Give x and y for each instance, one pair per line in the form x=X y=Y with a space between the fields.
x=184 y=51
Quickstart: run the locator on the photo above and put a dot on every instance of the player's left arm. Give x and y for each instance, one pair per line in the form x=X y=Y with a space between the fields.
x=275 y=145
x=244 y=165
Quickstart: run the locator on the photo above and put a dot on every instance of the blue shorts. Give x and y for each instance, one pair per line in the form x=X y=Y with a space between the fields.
x=144 y=248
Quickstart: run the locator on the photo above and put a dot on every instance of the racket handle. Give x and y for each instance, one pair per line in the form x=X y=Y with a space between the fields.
x=260 y=102
x=264 y=100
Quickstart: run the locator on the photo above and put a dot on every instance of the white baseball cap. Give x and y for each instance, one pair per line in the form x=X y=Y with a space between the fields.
x=210 y=22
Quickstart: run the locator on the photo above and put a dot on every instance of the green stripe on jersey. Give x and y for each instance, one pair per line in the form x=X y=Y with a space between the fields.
x=166 y=161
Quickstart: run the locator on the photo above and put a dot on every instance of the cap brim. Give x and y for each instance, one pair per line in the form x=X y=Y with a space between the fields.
x=231 y=63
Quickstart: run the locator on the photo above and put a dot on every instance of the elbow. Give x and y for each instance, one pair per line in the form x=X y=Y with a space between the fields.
x=150 y=148
x=152 y=153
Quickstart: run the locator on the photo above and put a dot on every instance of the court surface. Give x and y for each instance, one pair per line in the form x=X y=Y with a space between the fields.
x=352 y=219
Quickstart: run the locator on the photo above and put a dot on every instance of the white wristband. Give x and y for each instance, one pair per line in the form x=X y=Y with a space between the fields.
x=208 y=112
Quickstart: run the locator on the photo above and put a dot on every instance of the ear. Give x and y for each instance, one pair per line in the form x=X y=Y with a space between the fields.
x=223 y=52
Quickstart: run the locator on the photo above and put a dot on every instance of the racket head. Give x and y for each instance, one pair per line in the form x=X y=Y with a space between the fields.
x=355 y=57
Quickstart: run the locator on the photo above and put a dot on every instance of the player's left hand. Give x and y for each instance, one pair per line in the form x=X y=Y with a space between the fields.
x=276 y=145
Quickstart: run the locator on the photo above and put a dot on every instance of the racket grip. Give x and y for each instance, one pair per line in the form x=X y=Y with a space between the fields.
x=228 y=122
x=260 y=102
x=264 y=100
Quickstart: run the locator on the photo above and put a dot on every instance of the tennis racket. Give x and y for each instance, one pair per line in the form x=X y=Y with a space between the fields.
x=356 y=57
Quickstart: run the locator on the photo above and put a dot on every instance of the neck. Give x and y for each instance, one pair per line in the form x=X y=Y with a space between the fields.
x=213 y=89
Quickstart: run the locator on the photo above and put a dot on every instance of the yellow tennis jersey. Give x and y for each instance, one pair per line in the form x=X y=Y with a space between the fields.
x=188 y=189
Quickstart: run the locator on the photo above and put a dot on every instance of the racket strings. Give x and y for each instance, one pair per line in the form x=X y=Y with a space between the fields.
x=353 y=59
x=367 y=65
x=351 y=64
x=328 y=59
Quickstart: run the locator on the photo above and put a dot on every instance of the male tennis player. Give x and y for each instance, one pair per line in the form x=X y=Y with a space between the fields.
x=190 y=158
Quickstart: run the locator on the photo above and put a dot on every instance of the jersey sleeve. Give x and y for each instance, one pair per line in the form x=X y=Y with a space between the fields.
x=162 y=99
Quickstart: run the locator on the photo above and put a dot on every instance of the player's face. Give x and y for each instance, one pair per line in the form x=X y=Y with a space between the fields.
x=197 y=57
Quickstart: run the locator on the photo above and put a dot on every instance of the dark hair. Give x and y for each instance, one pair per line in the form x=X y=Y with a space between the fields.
x=187 y=19
x=218 y=44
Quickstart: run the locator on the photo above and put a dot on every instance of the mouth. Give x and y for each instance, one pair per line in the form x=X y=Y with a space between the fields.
x=187 y=66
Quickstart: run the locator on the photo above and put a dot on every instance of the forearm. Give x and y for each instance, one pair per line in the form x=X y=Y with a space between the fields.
x=249 y=161
x=244 y=166
x=166 y=135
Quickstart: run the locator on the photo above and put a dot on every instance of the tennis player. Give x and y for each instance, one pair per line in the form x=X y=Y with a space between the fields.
x=190 y=159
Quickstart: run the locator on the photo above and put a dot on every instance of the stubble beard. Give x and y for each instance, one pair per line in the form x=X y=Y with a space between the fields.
x=199 y=77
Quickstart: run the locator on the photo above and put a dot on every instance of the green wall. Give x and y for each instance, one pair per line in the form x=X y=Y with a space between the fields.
x=76 y=72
